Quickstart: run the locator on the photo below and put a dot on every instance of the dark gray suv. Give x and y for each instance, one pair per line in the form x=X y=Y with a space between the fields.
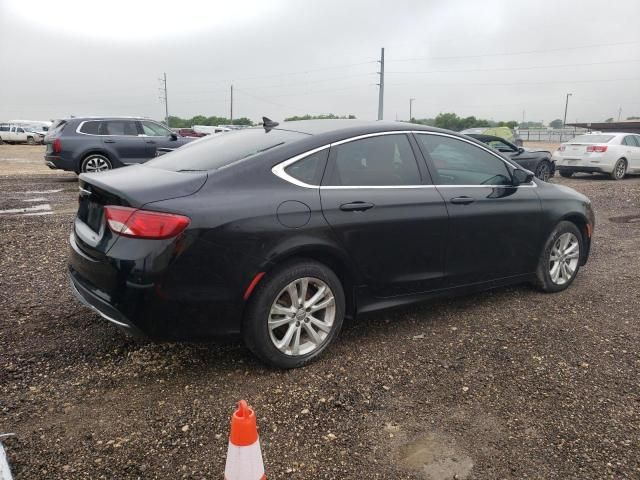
x=95 y=144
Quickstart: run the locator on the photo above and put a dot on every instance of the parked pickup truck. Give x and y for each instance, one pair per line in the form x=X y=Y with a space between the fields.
x=17 y=134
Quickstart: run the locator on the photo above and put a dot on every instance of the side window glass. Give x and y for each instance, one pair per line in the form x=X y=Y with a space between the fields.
x=375 y=161
x=637 y=139
x=120 y=127
x=90 y=128
x=154 y=130
x=461 y=163
x=309 y=169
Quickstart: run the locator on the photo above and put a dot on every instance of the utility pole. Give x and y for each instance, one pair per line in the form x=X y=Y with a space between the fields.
x=163 y=97
x=381 y=86
x=411 y=108
x=619 y=113
x=231 y=104
x=566 y=106
x=523 y=116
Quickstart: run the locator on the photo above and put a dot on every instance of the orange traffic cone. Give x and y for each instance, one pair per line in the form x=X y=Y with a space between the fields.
x=244 y=458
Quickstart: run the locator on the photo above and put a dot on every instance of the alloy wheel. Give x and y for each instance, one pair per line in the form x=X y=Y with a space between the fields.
x=621 y=168
x=564 y=257
x=96 y=164
x=544 y=172
x=302 y=316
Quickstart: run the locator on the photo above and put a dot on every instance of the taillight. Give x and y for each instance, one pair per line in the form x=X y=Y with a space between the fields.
x=130 y=222
x=597 y=148
x=57 y=146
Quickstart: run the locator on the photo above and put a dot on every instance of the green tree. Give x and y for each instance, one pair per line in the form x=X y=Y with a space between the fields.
x=557 y=123
x=633 y=118
x=609 y=120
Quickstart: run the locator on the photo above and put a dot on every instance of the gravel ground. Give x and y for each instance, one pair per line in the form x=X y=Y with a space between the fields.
x=506 y=384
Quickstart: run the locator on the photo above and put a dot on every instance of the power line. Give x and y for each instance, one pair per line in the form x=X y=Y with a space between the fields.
x=526 y=52
x=516 y=83
x=519 y=68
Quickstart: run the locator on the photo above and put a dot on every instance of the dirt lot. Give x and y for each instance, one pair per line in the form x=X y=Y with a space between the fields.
x=506 y=384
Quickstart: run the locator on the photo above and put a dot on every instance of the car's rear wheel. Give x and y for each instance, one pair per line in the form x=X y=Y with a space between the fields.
x=560 y=259
x=31 y=141
x=294 y=314
x=95 y=163
x=565 y=174
x=619 y=170
x=543 y=171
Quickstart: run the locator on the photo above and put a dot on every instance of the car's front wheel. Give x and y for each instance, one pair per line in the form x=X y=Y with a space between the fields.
x=294 y=314
x=31 y=141
x=560 y=259
x=543 y=171
x=95 y=163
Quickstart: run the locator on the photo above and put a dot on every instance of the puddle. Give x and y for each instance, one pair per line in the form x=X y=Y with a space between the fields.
x=436 y=458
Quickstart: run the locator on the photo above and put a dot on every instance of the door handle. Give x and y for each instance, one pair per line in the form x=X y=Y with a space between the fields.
x=464 y=200
x=356 y=206
x=108 y=140
x=150 y=141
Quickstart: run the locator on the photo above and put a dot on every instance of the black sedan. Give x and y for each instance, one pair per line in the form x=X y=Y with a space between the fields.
x=537 y=161
x=277 y=234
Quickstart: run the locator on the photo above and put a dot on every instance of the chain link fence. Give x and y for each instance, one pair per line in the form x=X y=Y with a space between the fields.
x=549 y=135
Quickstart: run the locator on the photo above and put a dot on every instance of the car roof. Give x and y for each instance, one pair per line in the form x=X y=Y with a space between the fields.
x=317 y=127
x=115 y=117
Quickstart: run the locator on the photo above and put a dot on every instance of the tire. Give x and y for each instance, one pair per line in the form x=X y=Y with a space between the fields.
x=31 y=141
x=261 y=338
x=550 y=275
x=543 y=171
x=619 y=170
x=95 y=162
x=1 y=142
x=565 y=174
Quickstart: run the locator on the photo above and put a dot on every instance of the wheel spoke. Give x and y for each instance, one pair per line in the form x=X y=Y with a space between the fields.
x=286 y=340
x=296 y=341
x=281 y=310
x=304 y=285
x=320 y=324
x=555 y=271
x=571 y=248
x=315 y=338
x=293 y=294
x=327 y=302
x=318 y=296
x=278 y=322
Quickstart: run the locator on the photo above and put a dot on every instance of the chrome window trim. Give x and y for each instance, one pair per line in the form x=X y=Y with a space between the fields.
x=279 y=169
x=100 y=120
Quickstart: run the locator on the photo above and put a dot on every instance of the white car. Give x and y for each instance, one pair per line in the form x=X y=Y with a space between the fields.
x=610 y=152
x=17 y=134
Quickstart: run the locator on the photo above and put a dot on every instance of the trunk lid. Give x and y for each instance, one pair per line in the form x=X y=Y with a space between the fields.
x=132 y=186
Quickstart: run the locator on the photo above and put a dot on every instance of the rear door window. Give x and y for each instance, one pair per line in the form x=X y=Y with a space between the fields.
x=629 y=140
x=384 y=160
x=119 y=127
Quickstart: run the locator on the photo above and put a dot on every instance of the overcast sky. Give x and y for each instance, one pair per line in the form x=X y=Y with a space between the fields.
x=491 y=58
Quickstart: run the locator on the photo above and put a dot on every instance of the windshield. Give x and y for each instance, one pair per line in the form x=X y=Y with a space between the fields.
x=214 y=152
x=592 y=139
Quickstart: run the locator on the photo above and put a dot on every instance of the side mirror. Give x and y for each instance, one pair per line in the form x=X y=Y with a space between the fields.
x=173 y=135
x=521 y=176
x=520 y=150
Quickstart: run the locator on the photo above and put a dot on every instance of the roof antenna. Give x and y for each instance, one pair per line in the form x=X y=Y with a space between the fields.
x=268 y=124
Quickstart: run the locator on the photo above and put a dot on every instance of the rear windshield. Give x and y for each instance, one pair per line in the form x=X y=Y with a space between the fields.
x=592 y=139
x=214 y=152
x=57 y=127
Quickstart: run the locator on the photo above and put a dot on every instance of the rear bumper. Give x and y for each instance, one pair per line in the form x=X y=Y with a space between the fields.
x=98 y=305
x=60 y=163
x=580 y=168
x=152 y=294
